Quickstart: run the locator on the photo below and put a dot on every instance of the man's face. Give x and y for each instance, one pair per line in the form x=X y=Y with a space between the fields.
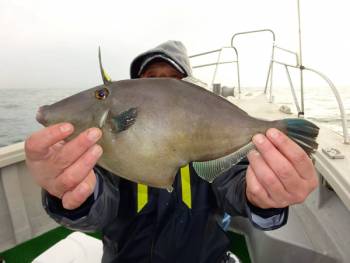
x=161 y=70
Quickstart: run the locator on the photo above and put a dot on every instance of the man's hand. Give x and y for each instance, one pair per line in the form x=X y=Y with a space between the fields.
x=64 y=169
x=280 y=173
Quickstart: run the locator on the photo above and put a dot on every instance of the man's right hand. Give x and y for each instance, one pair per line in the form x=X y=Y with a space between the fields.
x=64 y=169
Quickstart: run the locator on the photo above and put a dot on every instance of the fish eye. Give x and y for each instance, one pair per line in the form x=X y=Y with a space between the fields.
x=101 y=94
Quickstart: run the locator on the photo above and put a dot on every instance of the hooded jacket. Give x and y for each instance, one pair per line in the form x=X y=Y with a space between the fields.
x=166 y=228
x=173 y=52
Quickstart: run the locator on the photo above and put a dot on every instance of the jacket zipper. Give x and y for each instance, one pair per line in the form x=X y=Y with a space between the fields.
x=152 y=248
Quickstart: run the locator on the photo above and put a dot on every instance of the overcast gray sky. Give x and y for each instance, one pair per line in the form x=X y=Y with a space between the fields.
x=54 y=43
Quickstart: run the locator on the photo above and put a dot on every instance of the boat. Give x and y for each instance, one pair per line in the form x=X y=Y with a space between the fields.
x=317 y=230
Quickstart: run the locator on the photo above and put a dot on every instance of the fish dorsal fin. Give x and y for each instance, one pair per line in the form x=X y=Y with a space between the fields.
x=195 y=81
x=125 y=119
x=106 y=79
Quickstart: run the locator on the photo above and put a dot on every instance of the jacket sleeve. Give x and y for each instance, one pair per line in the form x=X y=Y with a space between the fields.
x=229 y=189
x=95 y=213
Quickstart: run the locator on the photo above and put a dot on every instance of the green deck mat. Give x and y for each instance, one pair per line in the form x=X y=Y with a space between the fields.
x=239 y=247
x=29 y=250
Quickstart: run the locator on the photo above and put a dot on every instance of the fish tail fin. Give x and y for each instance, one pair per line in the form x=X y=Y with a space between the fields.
x=303 y=132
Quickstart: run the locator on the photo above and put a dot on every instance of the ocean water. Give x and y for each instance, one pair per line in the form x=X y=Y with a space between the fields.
x=320 y=105
x=18 y=108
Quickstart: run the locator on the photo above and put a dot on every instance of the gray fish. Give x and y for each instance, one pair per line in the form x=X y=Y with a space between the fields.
x=152 y=127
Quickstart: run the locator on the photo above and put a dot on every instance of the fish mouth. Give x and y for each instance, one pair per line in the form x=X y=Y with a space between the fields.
x=41 y=115
x=103 y=119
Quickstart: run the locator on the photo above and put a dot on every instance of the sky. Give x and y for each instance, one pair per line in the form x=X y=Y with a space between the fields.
x=53 y=44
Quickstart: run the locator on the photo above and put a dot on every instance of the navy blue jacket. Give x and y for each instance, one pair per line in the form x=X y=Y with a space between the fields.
x=166 y=229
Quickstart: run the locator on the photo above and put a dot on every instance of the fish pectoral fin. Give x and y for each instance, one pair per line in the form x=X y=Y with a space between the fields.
x=125 y=119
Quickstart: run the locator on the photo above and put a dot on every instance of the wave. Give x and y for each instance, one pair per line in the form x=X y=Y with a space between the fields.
x=10 y=106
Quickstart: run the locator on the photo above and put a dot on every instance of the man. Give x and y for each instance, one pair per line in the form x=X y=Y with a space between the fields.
x=145 y=224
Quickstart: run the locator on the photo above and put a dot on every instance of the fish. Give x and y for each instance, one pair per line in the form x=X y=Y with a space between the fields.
x=152 y=127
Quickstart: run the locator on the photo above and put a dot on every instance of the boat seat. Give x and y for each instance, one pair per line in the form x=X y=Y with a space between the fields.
x=75 y=248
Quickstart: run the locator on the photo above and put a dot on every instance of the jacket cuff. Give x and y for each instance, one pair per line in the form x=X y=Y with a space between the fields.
x=54 y=205
x=266 y=219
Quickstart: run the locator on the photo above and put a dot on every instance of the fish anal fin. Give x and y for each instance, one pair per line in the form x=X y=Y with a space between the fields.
x=125 y=119
x=209 y=170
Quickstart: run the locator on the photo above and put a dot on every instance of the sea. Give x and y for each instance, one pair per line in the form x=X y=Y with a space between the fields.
x=18 y=108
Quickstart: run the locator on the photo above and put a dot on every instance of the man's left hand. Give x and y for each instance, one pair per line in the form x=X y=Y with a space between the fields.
x=280 y=173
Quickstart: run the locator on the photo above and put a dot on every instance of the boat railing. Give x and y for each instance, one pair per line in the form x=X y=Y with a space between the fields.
x=21 y=213
x=219 y=62
x=269 y=79
x=11 y=158
x=260 y=31
x=298 y=65
x=11 y=154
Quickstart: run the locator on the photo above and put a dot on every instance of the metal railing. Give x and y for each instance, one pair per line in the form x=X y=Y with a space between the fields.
x=270 y=70
x=268 y=84
x=219 y=62
x=299 y=66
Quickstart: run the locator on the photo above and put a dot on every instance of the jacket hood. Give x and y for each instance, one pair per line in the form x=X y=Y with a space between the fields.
x=173 y=52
